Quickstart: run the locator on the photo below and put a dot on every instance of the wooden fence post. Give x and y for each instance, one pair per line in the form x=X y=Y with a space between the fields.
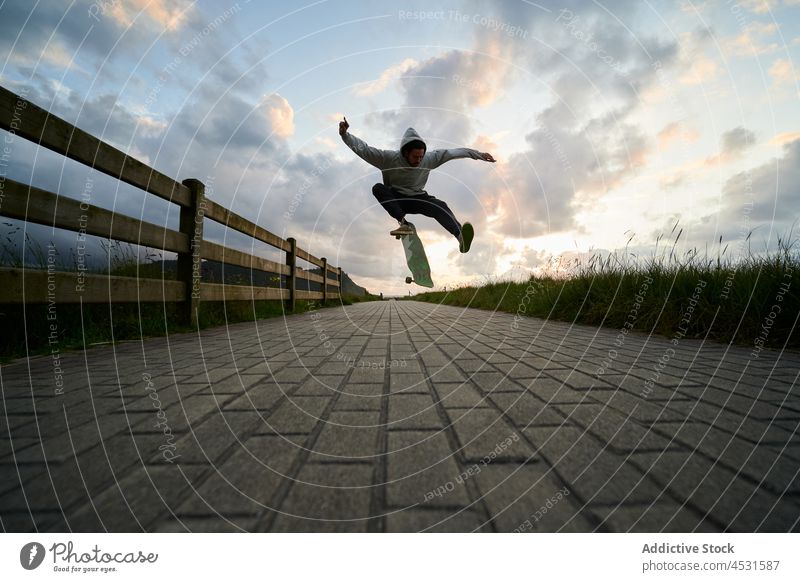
x=324 y=280
x=291 y=278
x=190 y=263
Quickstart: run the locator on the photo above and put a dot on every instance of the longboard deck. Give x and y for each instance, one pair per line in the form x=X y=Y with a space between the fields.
x=417 y=260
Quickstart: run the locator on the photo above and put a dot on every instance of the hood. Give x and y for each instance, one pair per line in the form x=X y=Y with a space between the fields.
x=409 y=136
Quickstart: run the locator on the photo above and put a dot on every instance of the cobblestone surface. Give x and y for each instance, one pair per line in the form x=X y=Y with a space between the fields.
x=402 y=416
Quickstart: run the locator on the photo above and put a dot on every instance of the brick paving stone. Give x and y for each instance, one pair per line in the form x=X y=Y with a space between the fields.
x=261 y=398
x=574 y=379
x=9 y=449
x=370 y=400
x=473 y=365
x=500 y=358
x=298 y=414
x=745 y=427
x=614 y=428
x=733 y=503
x=518 y=370
x=236 y=384
x=745 y=405
x=482 y=432
x=246 y=482
x=554 y=391
x=641 y=409
x=61 y=448
x=320 y=385
x=188 y=412
x=362 y=375
x=347 y=436
x=413 y=411
x=526 y=410
x=516 y=494
x=289 y=375
x=636 y=385
x=664 y=516
x=137 y=500
x=211 y=374
x=207 y=442
x=762 y=465
x=223 y=524
x=389 y=435
x=434 y=521
x=78 y=479
x=446 y=373
x=460 y=395
x=408 y=384
x=307 y=362
x=492 y=382
x=419 y=464
x=434 y=358
x=408 y=366
x=327 y=498
x=595 y=473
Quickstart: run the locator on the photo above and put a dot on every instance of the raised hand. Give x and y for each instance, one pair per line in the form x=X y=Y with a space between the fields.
x=343 y=125
x=487 y=157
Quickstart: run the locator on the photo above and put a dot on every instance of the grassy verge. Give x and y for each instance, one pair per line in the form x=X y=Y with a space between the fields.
x=750 y=302
x=28 y=331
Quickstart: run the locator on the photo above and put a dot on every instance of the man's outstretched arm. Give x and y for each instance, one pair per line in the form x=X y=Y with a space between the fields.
x=439 y=157
x=366 y=152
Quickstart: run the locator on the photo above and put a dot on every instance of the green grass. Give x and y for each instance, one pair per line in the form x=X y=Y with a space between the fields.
x=28 y=330
x=721 y=298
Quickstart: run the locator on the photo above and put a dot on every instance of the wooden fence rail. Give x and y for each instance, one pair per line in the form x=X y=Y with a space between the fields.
x=27 y=203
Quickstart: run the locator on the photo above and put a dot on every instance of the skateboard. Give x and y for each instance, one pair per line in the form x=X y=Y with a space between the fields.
x=416 y=259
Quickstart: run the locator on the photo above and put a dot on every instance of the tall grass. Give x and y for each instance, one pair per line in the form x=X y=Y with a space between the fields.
x=740 y=300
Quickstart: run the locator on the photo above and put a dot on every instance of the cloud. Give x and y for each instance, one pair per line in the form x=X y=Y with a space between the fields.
x=736 y=140
x=441 y=93
x=164 y=14
x=759 y=6
x=782 y=72
x=676 y=131
x=279 y=113
x=733 y=144
x=773 y=188
x=371 y=88
x=702 y=70
x=752 y=40
x=784 y=138
x=585 y=142
x=85 y=35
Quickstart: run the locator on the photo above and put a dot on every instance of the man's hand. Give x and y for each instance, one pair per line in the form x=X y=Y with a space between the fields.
x=343 y=125
x=487 y=157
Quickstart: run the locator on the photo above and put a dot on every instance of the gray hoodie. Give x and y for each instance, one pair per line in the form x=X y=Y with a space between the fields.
x=397 y=172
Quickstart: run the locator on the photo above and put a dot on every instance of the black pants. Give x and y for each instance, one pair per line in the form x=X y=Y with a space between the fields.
x=398 y=205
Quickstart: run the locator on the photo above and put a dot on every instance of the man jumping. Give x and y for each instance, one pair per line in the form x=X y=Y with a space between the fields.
x=405 y=173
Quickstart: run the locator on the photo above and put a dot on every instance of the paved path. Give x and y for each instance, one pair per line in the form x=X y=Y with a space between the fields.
x=402 y=416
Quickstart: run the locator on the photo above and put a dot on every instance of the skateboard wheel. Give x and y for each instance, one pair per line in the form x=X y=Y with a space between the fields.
x=409 y=280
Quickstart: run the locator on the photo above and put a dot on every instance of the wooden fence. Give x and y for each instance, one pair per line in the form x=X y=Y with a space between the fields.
x=24 y=202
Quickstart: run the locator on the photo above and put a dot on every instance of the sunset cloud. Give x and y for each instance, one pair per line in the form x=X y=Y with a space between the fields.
x=392 y=73
x=753 y=40
x=166 y=14
x=280 y=115
x=676 y=131
x=782 y=72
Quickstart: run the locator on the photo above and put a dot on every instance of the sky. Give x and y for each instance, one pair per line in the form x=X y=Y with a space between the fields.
x=611 y=121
